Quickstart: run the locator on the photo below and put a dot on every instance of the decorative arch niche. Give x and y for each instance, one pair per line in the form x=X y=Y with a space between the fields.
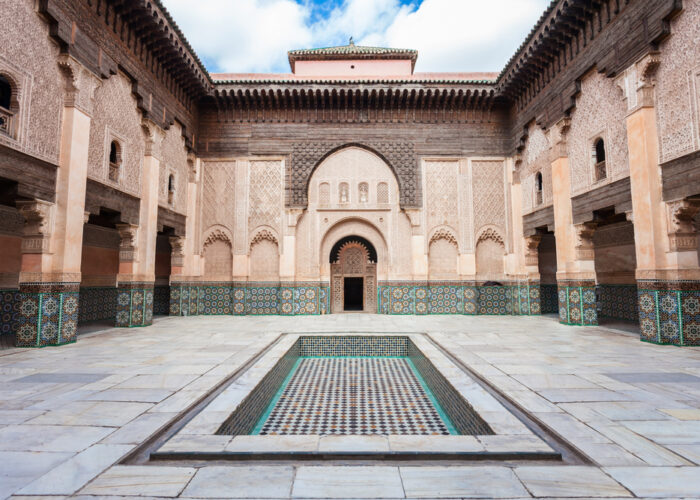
x=443 y=255
x=218 y=257
x=264 y=261
x=490 y=253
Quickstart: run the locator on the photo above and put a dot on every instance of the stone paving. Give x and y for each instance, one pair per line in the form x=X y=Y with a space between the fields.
x=69 y=414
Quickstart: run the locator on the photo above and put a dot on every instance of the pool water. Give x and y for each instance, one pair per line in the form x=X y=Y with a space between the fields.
x=354 y=395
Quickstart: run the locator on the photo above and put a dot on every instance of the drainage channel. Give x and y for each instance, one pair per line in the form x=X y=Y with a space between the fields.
x=566 y=453
x=570 y=454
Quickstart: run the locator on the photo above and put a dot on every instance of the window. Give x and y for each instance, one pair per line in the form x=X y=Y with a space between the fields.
x=6 y=114
x=538 y=188
x=382 y=192
x=344 y=193
x=364 y=192
x=599 y=159
x=324 y=194
x=171 y=189
x=115 y=161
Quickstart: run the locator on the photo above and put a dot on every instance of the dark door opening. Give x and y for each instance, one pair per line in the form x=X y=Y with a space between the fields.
x=352 y=289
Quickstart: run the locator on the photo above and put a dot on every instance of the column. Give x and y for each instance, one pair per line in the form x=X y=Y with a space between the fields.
x=575 y=254
x=185 y=258
x=137 y=258
x=49 y=279
x=668 y=276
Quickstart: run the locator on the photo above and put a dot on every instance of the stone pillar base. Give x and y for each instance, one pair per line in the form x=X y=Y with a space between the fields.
x=48 y=314
x=669 y=312
x=577 y=303
x=134 y=304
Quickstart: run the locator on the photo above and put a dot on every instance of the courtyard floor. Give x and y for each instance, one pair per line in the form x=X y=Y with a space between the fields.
x=69 y=415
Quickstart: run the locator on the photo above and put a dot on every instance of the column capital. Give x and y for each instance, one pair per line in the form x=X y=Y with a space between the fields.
x=127 y=246
x=558 y=139
x=681 y=231
x=584 y=240
x=153 y=137
x=177 y=256
x=532 y=244
x=79 y=84
x=38 y=216
x=637 y=82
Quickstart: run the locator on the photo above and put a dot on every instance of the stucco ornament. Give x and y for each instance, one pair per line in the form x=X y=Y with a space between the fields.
x=681 y=231
x=38 y=215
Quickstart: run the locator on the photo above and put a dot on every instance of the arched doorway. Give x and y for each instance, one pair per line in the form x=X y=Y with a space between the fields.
x=353 y=262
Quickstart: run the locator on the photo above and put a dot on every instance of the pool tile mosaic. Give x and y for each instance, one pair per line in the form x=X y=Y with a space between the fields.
x=354 y=396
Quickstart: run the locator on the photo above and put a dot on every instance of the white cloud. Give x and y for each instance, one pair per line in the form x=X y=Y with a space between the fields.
x=450 y=35
x=462 y=35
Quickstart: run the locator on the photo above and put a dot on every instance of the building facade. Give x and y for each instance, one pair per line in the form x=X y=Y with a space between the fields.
x=134 y=183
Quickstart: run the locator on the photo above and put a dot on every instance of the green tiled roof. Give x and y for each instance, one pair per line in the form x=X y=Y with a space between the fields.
x=352 y=49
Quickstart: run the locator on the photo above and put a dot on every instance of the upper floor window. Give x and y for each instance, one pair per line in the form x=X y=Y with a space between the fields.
x=599 y=159
x=324 y=194
x=6 y=112
x=382 y=192
x=171 y=189
x=364 y=192
x=115 y=160
x=538 y=188
x=344 y=193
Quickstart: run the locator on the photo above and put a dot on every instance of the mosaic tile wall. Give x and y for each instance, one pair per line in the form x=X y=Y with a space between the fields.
x=669 y=312
x=549 y=299
x=618 y=302
x=9 y=311
x=577 y=303
x=463 y=416
x=97 y=304
x=370 y=345
x=457 y=298
x=134 y=304
x=188 y=299
x=48 y=314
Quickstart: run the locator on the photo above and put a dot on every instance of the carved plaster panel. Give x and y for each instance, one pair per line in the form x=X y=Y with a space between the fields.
x=600 y=111
x=677 y=86
x=116 y=117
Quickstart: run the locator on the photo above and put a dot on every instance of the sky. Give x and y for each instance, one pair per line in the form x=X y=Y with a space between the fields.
x=253 y=36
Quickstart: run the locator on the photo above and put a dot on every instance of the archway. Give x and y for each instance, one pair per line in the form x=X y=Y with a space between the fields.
x=353 y=262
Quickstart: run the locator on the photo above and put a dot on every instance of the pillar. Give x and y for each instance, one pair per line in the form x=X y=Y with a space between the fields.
x=49 y=279
x=668 y=276
x=137 y=253
x=574 y=243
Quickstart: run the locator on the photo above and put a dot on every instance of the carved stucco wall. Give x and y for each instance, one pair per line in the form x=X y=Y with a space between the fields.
x=441 y=194
x=488 y=186
x=678 y=86
x=381 y=223
x=217 y=195
x=173 y=161
x=116 y=117
x=535 y=158
x=34 y=69
x=265 y=196
x=600 y=112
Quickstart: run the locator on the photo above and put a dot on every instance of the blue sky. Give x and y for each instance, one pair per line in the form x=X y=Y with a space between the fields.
x=253 y=36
